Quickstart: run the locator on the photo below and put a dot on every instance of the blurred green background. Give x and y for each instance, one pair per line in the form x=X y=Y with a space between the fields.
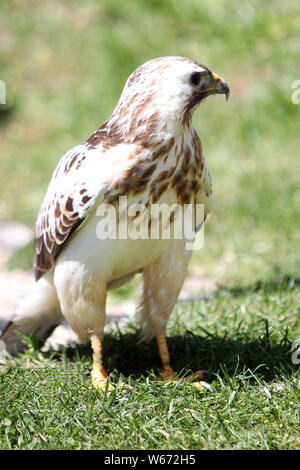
x=65 y=63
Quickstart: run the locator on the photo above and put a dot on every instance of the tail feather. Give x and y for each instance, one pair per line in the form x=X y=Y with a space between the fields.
x=38 y=312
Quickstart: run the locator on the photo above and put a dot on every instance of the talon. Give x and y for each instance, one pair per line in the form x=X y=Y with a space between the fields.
x=101 y=383
x=198 y=385
x=202 y=386
x=167 y=374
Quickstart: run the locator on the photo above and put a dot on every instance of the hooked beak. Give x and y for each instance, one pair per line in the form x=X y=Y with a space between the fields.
x=221 y=86
x=218 y=85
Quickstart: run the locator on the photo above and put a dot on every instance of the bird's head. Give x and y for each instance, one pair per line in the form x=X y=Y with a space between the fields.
x=170 y=87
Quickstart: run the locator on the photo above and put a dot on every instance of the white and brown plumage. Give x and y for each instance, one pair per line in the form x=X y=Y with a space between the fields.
x=148 y=151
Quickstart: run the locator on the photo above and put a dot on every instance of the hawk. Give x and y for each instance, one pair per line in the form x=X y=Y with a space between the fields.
x=149 y=152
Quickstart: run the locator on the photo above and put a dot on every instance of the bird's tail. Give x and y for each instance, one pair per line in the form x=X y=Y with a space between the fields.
x=38 y=313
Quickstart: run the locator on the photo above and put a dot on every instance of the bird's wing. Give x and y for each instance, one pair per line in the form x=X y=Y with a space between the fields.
x=82 y=176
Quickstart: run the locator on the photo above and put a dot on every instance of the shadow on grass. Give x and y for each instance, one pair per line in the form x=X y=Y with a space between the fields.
x=218 y=355
x=265 y=354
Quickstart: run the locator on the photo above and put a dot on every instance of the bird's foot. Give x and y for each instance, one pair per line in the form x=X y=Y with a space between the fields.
x=169 y=376
x=101 y=381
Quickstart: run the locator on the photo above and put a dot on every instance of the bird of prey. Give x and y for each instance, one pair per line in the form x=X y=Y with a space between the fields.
x=149 y=152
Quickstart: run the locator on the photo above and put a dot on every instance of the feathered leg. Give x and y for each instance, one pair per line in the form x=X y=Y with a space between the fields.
x=83 y=303
x=163 y=280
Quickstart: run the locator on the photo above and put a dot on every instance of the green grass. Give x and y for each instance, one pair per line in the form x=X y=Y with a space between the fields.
x=65 y=65
x=243 y=337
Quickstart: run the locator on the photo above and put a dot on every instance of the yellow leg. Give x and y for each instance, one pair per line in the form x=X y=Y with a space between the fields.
x=99 y=374
x=167 y=372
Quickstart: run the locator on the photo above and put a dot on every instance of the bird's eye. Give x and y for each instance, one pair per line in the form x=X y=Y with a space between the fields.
x=195 y=78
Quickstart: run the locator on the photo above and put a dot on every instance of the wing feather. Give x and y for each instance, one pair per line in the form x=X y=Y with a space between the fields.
x=72 y=191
